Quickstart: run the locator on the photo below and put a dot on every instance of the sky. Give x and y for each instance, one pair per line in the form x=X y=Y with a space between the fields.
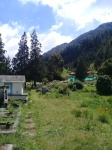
x=55 y=21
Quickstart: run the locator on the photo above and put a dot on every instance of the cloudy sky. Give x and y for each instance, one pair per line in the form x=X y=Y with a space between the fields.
x=55 y=21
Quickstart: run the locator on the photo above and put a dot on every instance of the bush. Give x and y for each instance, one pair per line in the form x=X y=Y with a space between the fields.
x=62 y=88
x=56 y=85
x=109 y=101
x=104 y=85
x=45 y=81
x=79 y=85
x=74 y=88
x=103 y=118
x=77 y=113
x=70 y=85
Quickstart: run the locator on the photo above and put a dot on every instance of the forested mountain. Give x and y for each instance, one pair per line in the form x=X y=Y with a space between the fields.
x=89 y=44
x=93 y=46
x=56 y=49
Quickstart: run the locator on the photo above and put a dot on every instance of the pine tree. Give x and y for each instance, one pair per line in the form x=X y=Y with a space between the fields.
x=8 y=66
x=55 y=66
x=81 y=69
x=2 y=57
x=35 y=57
x=21 y=59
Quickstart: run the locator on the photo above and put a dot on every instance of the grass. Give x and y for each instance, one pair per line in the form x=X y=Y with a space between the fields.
x=80 y=121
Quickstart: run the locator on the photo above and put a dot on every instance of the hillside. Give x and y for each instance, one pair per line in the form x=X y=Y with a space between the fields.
x=56 y=49
x=89 y=44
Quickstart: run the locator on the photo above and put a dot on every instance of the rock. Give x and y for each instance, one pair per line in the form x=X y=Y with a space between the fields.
x=7 y=147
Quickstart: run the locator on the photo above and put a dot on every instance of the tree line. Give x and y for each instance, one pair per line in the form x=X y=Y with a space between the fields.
x=30 y=62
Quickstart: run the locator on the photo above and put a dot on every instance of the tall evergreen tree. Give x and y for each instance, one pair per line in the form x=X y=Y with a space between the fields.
x=2 y=57
x=8 y=66
x=21 y=59
x=35 y=57
x=55 y=66
x=81 y=69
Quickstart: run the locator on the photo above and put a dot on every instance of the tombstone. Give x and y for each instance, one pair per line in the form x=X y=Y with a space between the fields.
x=3 y=95
x=44 y=89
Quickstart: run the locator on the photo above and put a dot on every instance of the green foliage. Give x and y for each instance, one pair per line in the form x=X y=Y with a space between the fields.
x=96 y=46
x=45 y=80
x=3 y=68
x=103 y=118
x=104 y=85
x=104 y=53
x=64 y=73
x=63 y=88
x=55 y=66
x=35 y=55
x=109 y=101
x=102 y=70
x=106 y=68
x=76 y=112
x=57 y=117
x=21 y=60
x=94 y=104
x=79 y=85
x=87 y=127
x=81 y=69
x=70 y=85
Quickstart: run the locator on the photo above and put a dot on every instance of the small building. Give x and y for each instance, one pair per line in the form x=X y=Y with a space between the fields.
x=16 y=86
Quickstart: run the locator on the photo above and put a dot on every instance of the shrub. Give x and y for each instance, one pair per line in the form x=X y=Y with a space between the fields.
x=63 y=88
x=88 y=126
x=56 y=85
x=104 y=84
x=74 y=88
x=109 y=101
x=45 y=80
x=70 y=85
x=86 y=113
x=77 y=113
x=103 y=118
x=79 y=85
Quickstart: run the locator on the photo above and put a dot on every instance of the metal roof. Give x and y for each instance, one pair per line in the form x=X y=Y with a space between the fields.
x=12 y=78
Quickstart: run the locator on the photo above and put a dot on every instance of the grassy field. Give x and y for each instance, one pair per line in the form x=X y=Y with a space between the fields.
x=81 y=120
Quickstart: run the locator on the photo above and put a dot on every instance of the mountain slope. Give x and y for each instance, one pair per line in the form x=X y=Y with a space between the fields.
x=88 y=44
x=56 y=49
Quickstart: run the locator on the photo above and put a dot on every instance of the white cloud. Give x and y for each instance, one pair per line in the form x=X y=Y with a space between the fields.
x=11 y=37
x=52 y=39
x=81 y=12
x=56 y=27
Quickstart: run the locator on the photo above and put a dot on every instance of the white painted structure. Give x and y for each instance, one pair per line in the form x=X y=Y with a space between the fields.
x=16 y=86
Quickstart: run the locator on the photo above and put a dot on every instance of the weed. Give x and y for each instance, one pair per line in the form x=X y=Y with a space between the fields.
x=103 y=118
x=86 y=113
x=77 y=113
x=88 y=126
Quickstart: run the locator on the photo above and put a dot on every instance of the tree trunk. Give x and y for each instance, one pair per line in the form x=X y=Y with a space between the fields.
x=34 y=83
